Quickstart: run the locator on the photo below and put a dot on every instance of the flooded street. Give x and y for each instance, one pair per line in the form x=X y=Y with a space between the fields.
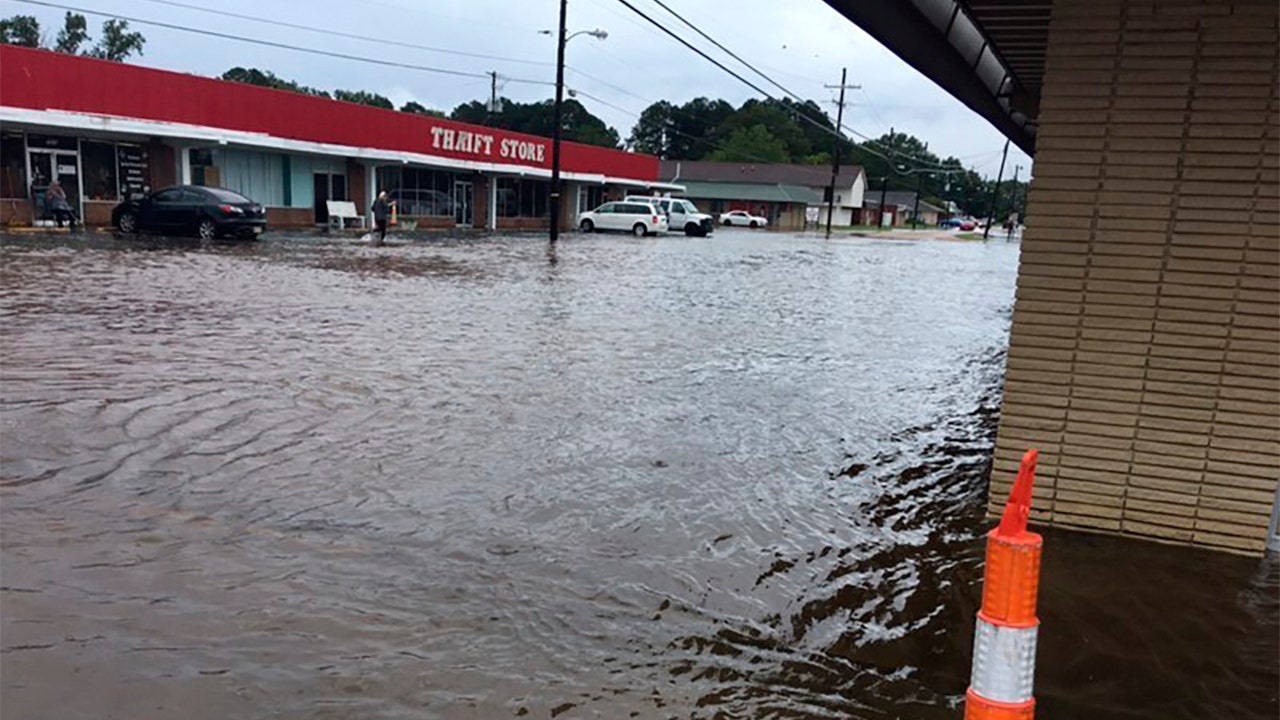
x=736 y=477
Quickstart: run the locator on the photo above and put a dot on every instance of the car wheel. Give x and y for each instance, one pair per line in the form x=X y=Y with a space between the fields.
x=207 y=230
x=753 y=224
x=639 y=230
x=128 y=222
x=692 y=229
x=587 y=226
x=727 y=223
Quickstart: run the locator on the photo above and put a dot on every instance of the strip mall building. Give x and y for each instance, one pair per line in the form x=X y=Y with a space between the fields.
x=108 y=131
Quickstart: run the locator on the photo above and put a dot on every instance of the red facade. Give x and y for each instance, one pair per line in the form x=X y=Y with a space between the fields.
x=42 y=80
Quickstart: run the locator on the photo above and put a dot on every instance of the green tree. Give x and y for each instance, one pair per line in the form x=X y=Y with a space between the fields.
x=752 y=144
x=363 y=97
x=420 y=109
x=579 y=124
x=652 y=132
x=685 y=132
x=777 y=118
x=74 y=33
x=254 y=76
x=117 y=43
x=21 y=30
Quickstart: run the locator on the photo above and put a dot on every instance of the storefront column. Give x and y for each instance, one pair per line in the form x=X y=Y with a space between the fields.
x=491 y=222
x=370 y=191
x=184 y=165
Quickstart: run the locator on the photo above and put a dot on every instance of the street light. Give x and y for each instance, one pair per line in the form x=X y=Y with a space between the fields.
x=557 y=130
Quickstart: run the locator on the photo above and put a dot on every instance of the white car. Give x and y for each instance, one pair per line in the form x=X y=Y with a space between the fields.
x=741 y=217
x=637 y=218
x=681 y=214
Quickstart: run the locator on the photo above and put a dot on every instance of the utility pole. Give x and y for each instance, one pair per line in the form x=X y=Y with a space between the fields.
x=1013 y=207
x=835 y=155
x=915 y=212
x=561 y=39
x=493 y=95
x=995 y=192
x=884 y=185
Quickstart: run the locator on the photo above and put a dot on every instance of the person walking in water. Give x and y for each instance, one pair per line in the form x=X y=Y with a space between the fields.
x=55 y=199
x=380 y=210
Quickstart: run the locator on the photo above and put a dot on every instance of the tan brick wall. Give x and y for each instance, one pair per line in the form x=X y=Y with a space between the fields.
x=1144 y=358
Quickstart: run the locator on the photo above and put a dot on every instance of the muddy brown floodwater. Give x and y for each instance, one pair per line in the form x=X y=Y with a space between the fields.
x=740 y=477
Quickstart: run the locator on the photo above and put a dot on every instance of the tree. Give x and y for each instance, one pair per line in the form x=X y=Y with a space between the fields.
x=21 y=30
x=420 y=109
x=363 y=97
x=117 y=43
x=652 y=132
x=254 y=76
x=538 y=118
x=752 y=144
x=73 y=34
x=777 y=118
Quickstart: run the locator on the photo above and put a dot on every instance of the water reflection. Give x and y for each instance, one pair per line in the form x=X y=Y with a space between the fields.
x=736 y=477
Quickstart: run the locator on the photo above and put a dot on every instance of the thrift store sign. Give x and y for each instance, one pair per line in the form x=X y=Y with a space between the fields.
x=487 y=146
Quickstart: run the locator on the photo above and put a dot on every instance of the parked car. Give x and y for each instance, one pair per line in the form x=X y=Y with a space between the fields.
x=741 y=217
x=207 y=212
x=953 y=222
x=638 y=218
x=681 y=214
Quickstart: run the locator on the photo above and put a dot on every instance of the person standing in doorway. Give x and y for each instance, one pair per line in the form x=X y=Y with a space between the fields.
x=380 y=210
x=55 y=199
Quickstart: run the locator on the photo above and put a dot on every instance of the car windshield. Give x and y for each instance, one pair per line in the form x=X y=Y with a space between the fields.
x=227 y=196
x=690 y=207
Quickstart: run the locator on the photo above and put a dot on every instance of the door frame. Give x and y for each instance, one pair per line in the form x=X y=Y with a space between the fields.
x=53 y=164
x=468 y=196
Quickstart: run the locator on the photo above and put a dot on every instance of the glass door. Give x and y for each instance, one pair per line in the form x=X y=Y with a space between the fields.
x=462 y=213
x=66 y=167
x=47 y=166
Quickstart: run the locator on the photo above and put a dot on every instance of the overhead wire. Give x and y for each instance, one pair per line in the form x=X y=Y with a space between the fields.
x=695 y=138
x=283 y=46
x=352 y=36
x=826 y=128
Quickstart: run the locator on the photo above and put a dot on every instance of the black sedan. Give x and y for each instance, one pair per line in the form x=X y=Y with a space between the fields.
x=207 y=212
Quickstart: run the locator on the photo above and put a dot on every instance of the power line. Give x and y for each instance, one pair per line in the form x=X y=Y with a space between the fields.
x=753 y=86
x=695 y=138
x=284 y=46
x=729 y=52
x=794 y=96
x=352 y=36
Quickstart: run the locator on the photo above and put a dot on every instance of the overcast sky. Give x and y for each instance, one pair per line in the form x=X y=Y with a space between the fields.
x=802 y=44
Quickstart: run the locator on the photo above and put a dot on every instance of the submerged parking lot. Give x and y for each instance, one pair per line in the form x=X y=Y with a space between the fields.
x=734 y=477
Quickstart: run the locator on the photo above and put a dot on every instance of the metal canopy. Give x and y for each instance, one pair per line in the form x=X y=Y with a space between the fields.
x=989 y=54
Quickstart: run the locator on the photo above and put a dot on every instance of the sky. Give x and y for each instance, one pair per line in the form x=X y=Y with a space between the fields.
x=801 y=44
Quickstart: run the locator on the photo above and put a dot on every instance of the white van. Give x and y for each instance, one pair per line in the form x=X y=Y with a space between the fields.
x=681 y=214
x=638 y=218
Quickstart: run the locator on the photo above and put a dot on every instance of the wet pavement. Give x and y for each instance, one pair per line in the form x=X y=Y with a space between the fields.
x=737 y=477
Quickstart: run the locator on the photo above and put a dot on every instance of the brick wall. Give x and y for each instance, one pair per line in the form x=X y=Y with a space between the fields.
x=279 y=218
x=1144 y=358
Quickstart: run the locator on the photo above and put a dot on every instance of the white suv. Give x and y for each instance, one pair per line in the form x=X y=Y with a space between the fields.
x=638 y=218
x=681 y=214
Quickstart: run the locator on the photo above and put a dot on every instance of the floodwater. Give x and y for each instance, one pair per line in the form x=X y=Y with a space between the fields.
x=738 y=477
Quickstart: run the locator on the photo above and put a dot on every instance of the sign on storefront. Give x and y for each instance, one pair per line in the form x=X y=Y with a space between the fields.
x=484 y=145
x=133 y=172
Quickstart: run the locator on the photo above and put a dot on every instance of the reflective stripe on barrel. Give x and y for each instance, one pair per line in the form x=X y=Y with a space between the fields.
x=1004 y=663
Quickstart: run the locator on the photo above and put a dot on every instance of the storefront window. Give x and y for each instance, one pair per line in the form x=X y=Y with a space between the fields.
x=99 y=161
x=13 y=168
x=522 y=198
x=201 y=160
x=418 y=192
x=590 y=197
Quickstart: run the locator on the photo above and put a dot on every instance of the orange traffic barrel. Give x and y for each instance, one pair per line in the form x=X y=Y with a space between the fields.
x=1004 y=643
